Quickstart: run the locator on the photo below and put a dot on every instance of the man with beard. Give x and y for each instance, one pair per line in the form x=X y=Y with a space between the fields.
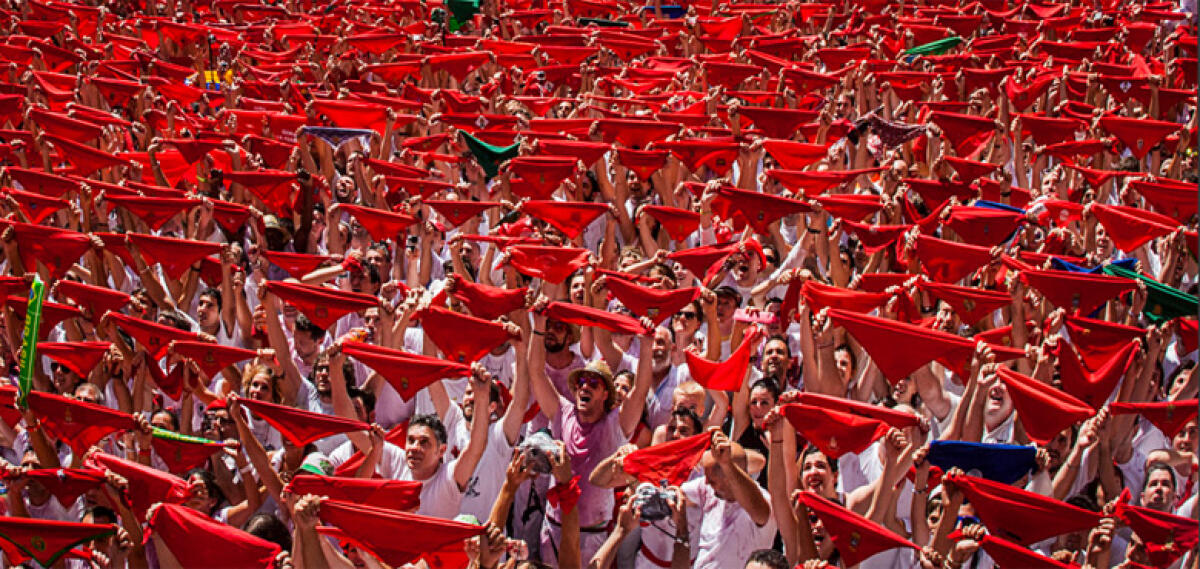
x=590 y=425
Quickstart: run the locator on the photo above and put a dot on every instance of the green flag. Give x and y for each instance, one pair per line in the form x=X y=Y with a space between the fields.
x=936 y=47
x=33 y=324
x=173 y=436
x=490 y=157
x=1163 y=303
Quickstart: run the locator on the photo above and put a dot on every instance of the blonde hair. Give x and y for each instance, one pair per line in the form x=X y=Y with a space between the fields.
x=253 y=370
x=689 y=390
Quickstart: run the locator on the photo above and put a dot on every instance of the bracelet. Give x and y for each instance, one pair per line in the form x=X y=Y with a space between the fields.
x=539 y=333
x=814 y=231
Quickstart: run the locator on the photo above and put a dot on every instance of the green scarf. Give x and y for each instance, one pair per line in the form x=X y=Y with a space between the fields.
x=490 y=157
x=1163 y=303
x=936 y=47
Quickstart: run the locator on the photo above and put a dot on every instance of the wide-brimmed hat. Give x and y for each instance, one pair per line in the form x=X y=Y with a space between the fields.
x=600 y=368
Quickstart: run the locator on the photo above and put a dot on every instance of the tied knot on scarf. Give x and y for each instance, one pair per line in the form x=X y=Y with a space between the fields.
x=565 y=496
x=353 y=265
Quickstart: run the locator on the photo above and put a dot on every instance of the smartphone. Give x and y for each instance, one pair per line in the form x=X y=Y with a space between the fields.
x=759 y=317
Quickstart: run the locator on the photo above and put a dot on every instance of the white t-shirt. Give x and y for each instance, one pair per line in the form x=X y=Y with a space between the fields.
x=440 y=496
x=727 y=533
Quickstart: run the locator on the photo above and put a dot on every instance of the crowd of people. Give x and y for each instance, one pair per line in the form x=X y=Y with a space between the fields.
x=518 y=283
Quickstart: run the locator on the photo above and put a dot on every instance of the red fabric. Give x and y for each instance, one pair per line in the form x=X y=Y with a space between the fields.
x=85 y=159
x=936 y=193
x=1139 y=135
x=1093 y=386
x=77 y=423
x=396 y=435
x=352 y=114
x=298 y=426
x=1169 y=416
x=875 y=237
x=880 y=336
x=761 y=210
x=595 y=317
x=984 y=226
x=971 y=304
x=147 y=486
x=156 y=212
x=778 y=123
x=834 y=432
x=1177 y=201
x=399 y=495
x=212 y=358
x=850 y=207
x=67 y=484
x=694 y=153
x=382 y=225
x=41 y=182
x=894 y=418
x=634 y=133
x=1167 y=537
x=949 y=262
x=791 y=155
x=488 y=302
x=199 y=542
x=231 y=216
x=657 y=305
x=813 y=182
x=1079 y=291
x=377 y=530
x=296 y=264
x=93 y=300
x=193 y=150
x=1098 y=341
x=52 y=313
x=817 y=296
x=1131 y=227
x=644 y=163
x=46 y=541
x=407 y=373
x=564 y=496
x=1044 y=411
x=175 y=255
x=36 y=207
x=1098 y=178
x=458 y=212
x=1021 y=516
x=1187 y=332
x=155 y=338
x=970 y=170
x=323 y=305
x=460 y=337
x=181 y=456
x=170 y=382
x=727 y=375
x=855 y=537
x=62 y=125
x=584 y=151
x=57 y=249
x=552 y=264
x=79 y=357
x=1008 y=554
x=699 y=260
x=672 y=461
x=275 y=188
x=968 y=134
x=678 y=223
x=571 y=218
x=544 y=173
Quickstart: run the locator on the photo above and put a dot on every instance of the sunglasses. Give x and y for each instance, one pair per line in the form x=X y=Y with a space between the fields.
x=689 y=315
x=589 y=381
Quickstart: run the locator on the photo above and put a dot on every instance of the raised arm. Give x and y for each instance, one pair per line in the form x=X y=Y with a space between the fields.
x=465 y=465
x=631 y=410
x=543 y=391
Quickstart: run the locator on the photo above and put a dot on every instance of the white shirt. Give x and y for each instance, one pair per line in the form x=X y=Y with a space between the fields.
x=440 y=496
x=727 y=533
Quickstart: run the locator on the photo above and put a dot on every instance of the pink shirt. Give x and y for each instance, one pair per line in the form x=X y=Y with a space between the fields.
x=587 y=445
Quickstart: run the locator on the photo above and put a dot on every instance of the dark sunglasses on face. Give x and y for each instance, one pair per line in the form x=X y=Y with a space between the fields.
x=689 y=315
x=588 y=381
